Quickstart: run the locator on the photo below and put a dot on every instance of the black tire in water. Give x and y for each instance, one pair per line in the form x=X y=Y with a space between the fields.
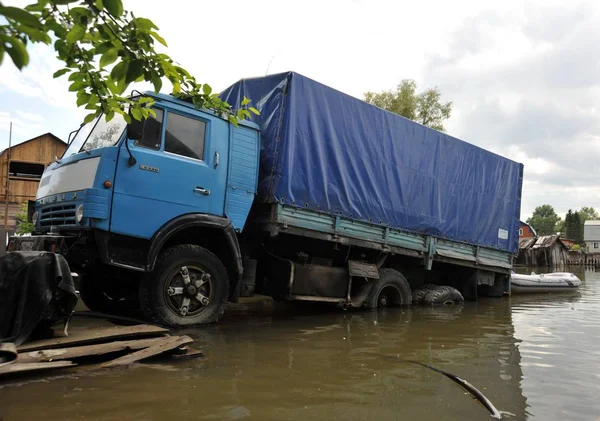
x=103 y=294
x=189 y=286
x=443 y=295
x=418 y=294
x=390 y=290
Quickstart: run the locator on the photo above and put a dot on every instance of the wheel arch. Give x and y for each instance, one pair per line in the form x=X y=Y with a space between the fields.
x=213 y=232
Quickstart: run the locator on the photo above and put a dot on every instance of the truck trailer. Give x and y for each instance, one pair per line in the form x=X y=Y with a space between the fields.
x=321 y=197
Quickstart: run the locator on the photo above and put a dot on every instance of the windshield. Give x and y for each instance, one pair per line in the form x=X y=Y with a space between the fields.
x=97 y=134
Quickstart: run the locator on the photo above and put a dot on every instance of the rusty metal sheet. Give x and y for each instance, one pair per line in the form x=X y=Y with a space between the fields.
x=363 y=270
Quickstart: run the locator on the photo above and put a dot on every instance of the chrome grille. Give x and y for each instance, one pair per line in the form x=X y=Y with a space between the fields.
x=58 y=216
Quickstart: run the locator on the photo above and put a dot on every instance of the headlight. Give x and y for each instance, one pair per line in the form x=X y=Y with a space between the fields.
x=79 y=213
x=34 y=218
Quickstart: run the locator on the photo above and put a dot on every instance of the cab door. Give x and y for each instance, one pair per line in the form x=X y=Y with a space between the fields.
x=180 y=168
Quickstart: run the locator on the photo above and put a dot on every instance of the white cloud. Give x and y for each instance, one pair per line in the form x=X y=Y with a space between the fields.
x=524 y=76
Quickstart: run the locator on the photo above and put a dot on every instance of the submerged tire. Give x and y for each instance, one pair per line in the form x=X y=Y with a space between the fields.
x=418 y=294
x=443 y=295
x=390 y=290
x=189 y=286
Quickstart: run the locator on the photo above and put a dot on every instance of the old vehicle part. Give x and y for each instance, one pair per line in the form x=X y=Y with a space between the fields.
x=418 y=294
x=189 y=286
x=443 y=295
x=391 y=289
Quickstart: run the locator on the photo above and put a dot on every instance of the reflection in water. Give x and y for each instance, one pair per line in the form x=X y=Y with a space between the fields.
x=268 y=361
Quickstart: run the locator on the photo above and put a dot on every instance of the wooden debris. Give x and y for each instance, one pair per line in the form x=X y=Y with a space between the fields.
x=8 y=353
x=167 y=344
x=94 y=336
x=86 y=350
x=28 y=367
x=188 y=352
x=129 y=344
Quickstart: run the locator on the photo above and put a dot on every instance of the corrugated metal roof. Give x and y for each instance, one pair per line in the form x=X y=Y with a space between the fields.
x=527 y=242
x=545 y=241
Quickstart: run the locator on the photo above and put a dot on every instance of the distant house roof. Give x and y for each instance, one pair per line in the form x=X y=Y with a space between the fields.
x=36 y=138
x=592 y=222
x=530 y=227
x=545 y=241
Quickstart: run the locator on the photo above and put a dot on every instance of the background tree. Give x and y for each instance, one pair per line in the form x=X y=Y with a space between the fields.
x=570 y=229
x=104 y=49
x=23 y=226
x=425 y=108
x=577 y=228
x=544 y=220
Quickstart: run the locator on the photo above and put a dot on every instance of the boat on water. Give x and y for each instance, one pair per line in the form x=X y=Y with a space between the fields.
x=543 y=282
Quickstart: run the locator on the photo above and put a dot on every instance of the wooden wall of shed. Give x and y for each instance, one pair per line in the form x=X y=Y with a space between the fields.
x=13 y=209
x=555 y=256
x=42 y=150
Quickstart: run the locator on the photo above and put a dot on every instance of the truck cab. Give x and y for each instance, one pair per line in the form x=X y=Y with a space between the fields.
x=147 y=213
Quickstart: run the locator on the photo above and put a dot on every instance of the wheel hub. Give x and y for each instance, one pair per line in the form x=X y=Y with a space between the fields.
x=190 y=290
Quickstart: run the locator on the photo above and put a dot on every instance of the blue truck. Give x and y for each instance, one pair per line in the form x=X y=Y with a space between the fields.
x=322 y=197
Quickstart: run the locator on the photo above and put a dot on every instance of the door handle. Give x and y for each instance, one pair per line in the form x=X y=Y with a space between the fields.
x=201 y=190
x=216 y=164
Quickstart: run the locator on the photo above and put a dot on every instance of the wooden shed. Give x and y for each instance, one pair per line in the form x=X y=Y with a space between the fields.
x=24 y=165
x=544 y=251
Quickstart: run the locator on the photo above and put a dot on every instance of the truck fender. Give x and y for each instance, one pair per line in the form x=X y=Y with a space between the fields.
x=185 y=222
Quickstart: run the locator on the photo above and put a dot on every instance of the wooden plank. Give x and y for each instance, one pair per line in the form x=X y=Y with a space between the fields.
x=21 y=368
x=86 y=350
x=94 y=336
x=168 y=343
x=8 y=353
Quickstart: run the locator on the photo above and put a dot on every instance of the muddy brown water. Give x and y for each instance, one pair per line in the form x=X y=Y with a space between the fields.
x=535 y=357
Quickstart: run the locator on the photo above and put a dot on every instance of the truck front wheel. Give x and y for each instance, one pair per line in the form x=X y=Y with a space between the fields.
x=189 y=286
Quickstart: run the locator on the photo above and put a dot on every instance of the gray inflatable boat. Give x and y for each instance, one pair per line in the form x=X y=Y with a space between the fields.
x=543 y=283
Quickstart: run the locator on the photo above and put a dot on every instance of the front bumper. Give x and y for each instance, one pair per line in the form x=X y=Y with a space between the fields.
x=51 y=243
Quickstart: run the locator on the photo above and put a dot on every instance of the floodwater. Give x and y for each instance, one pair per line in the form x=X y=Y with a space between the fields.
x=535 y=357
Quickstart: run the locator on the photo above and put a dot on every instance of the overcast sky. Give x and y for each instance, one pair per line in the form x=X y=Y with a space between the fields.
x=524 y=76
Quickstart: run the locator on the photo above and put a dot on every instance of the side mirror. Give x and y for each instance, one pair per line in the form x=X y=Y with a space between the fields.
x=135 y=129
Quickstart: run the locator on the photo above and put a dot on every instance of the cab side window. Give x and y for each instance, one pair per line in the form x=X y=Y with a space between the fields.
x=185 y=136
x=151 y=136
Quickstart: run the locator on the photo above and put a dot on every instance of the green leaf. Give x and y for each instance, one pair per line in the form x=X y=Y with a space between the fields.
x=16 y=50
x=245 y=101
x=37 y=7
x=119 y=71
x=152 y=112
x=82 y=98
x=144 y=24
x=76 y=86
x=89 y=118
x=76 y=77
x=254 y=110
x=136 y=113
x=135 y=70
x=21 y=16
x=206 y=89
x=158 y=38
x=157 y=82
x=109 y=57
x=76 y=33
x=233 y=120
x=114 y=7
x=60 y=72
x=99 y=4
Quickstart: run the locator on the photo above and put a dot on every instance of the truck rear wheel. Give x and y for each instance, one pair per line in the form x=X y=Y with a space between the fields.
x=189 y=286
x=390 y=290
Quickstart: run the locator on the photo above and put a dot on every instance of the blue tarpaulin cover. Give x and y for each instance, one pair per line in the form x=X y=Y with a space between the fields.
x=327 y=151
